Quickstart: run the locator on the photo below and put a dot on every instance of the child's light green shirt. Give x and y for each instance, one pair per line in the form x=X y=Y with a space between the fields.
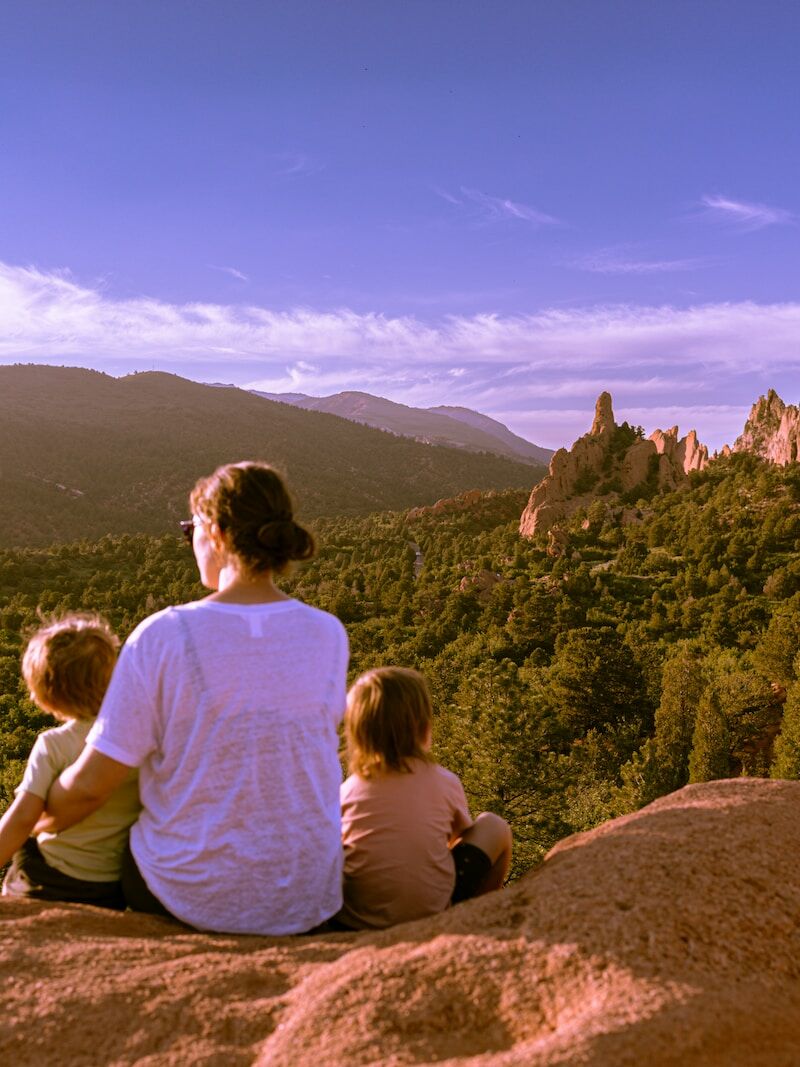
x=91 y=849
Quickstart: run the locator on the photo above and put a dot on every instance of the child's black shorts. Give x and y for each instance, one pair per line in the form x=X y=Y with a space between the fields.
x=472 y=867
x=30 y=875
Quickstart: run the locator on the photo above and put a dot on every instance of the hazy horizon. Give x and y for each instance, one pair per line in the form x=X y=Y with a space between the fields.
x=507 y=208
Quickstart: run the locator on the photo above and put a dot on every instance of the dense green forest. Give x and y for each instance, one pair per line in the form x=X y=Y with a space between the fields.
x=568 y=688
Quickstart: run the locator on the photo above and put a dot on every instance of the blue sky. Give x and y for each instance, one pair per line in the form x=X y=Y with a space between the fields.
x=506 y=205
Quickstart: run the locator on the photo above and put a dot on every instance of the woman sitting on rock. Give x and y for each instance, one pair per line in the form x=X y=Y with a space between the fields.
x=229 y=707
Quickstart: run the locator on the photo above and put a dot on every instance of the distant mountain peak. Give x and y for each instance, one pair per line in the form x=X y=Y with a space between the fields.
x=455 y=427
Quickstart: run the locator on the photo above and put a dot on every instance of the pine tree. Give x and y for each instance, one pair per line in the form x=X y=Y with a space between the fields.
x=595 y=681
x=641 y=781
x=778 y=645
x=681 y=692
x=709 y=758
x=495 y=736
x=787 y=747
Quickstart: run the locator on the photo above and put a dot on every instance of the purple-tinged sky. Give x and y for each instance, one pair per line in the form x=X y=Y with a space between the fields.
x=507 y=205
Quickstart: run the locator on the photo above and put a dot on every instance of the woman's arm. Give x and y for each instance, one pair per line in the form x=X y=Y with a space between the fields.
x=82 y=788
x=17 y=823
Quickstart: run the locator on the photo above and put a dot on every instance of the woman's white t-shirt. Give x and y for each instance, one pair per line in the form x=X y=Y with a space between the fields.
x=230 y=712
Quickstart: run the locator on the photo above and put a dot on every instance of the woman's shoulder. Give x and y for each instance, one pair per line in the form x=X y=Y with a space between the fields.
x=156 y=631
x=159 y=621
x=321 y=626
x=324 y=618
x=202 y=614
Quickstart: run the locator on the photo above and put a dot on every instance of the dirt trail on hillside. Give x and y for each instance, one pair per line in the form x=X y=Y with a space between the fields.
x=670 y=937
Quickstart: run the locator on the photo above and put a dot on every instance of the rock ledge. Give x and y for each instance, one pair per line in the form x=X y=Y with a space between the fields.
x=668 y=937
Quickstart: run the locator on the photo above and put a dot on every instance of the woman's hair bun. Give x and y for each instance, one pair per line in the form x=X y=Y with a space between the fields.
x=276 y=535
x=283 y=539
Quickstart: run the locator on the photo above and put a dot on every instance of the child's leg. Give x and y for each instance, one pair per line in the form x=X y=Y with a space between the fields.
x=492 y=835
x=30 y=875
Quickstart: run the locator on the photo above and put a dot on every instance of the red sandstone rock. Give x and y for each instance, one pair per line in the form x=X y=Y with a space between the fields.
x=603 y=415
x=481 y=583
x=685 y=454
x=465 y=500
x=772 y=431
x=668 y=938
x=576 y=476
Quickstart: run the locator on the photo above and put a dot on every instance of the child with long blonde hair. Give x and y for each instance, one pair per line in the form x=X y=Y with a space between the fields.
x=411 y=846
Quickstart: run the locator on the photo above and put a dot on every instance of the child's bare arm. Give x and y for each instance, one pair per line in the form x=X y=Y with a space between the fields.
x=82 y=788
x=460 y=826
x=461 y=818
x=17 y=824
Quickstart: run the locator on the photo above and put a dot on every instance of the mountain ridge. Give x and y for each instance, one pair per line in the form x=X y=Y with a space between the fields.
x=83 y=454
x=454 y=426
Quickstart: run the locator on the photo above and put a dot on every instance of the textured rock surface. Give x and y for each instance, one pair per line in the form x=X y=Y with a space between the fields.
x=456 y=503
x=577 y=476
x=603 y=415
x=772 y=430
x=665 y=938
x=481 y=584
x=684 y=454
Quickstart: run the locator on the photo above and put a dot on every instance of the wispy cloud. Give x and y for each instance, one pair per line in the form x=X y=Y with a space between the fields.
x=497 y=208
x=624 y=260
x=295 y=164
x=232 y=271
x=745 y=215
x=50 y=312
x=646 y=355
x=451 y=198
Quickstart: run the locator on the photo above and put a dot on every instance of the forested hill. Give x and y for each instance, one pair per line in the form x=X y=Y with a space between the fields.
x=83 y=454
x=455 y=426
x=567 y=688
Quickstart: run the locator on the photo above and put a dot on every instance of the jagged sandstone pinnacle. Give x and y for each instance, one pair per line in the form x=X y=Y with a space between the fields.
x=603 y=415
x=772 y=431
x=667 y=938
x=580 y=474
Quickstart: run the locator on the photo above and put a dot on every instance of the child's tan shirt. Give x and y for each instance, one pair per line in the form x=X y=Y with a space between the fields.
x=92 y=849
x=395 y=830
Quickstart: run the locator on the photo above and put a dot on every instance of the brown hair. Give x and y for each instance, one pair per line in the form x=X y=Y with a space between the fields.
x=388 y=716
x=67 y=664
x=252 y=507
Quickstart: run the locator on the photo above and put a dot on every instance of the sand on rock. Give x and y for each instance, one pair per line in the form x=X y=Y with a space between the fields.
x=668 y=937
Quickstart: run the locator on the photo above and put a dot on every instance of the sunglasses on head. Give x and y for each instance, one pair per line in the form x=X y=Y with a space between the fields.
x=188 y=527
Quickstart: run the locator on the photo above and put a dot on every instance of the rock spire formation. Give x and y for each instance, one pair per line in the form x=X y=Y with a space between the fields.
x=606 y=462
x=603 y=415
x=772 y=431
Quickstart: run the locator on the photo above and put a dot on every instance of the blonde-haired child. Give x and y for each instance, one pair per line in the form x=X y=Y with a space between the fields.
x=67 y=666
x=411 y=847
